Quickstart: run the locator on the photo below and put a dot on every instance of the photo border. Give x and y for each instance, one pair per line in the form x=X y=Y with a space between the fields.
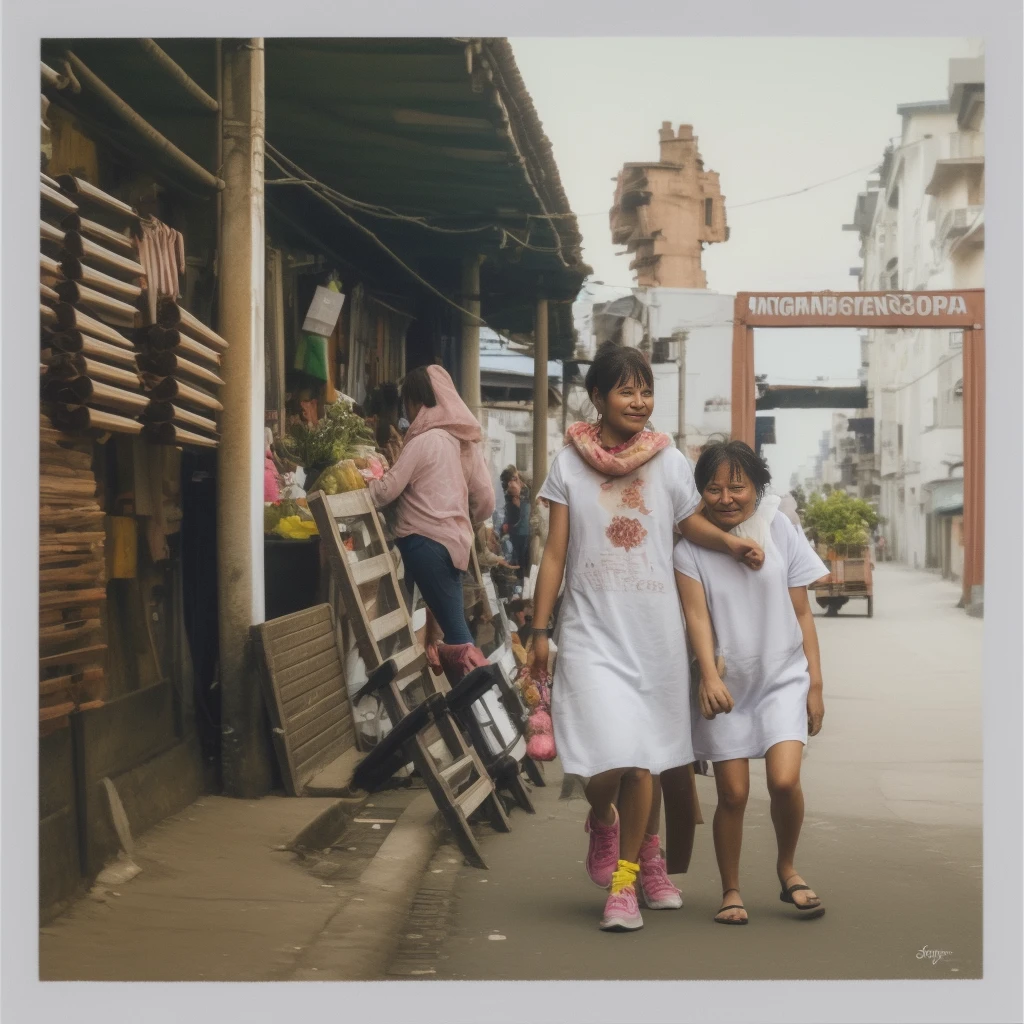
x=995 y=998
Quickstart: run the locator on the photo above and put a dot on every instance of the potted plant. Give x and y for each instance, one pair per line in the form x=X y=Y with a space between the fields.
x=840 y=523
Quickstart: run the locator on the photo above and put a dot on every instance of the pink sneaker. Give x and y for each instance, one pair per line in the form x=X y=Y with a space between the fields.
x=658 y=892
x=621 y=912
x=603 y=854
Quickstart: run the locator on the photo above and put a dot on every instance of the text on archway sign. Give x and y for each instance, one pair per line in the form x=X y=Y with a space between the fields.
x=921 y=309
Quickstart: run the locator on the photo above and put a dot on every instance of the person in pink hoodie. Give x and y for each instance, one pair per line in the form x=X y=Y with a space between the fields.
x=442 y=486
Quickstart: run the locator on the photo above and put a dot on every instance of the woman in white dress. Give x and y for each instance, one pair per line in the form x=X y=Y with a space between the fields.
x=619 y=709
x=770 y=695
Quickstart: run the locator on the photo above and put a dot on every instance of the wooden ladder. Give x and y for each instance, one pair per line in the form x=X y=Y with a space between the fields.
x=367 y=579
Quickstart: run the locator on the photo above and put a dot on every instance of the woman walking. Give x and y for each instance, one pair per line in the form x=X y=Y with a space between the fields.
x=770 y=698
x=441 y=483
x=620 y=711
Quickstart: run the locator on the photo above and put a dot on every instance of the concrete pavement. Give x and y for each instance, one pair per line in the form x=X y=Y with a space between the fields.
x=892 y=838
x=224 y=896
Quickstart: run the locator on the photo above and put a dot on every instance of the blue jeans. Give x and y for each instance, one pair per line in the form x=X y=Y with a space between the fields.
x=428 y=565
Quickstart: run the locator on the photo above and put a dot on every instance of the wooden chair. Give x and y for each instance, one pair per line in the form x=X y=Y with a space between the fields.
x=367 y=579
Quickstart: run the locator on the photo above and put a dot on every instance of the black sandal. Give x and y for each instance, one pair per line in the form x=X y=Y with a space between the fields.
x=810 y=909
x=732 y=906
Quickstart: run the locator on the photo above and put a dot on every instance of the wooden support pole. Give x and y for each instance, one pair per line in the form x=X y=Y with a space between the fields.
x=246 y=766
x=974 y=469
x=744 y=394
x=540 y=397
x=469 y=376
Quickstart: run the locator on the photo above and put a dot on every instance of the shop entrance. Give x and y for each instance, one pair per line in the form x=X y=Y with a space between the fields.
x=962 y=309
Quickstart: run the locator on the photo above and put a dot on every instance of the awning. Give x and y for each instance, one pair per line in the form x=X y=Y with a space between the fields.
x=438 y=129
x=945 y=497
x=434 y=146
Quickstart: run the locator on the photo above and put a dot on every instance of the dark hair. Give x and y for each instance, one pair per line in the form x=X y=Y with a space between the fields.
x=417 y=388
x=507 y=475
x=740 y=457
x=614 y=365
x=385 y=403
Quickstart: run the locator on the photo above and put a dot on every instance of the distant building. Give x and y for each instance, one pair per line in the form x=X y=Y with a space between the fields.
x=666 y=212
x=921 y=222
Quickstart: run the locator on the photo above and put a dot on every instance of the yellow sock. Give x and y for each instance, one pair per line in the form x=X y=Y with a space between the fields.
x=624 y=875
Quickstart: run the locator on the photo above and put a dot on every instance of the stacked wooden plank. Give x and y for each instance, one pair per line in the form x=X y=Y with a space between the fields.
x=89 y=293
x=72 y=579
x=179 y=361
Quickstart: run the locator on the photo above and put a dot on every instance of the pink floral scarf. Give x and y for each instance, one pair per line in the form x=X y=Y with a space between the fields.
x=620 y=460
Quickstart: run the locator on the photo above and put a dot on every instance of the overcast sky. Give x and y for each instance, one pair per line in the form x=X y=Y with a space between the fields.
x=771 y=116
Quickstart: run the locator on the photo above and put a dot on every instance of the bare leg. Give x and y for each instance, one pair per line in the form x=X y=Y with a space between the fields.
x=732 y=778
x=654 y=818
x=782 y=764
x=634 y=811
x=602 y=791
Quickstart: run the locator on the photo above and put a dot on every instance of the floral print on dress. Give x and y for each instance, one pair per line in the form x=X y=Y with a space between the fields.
x=625 y=532
x=633 y=497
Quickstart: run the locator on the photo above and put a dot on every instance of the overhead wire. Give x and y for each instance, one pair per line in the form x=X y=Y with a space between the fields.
x=753 y=202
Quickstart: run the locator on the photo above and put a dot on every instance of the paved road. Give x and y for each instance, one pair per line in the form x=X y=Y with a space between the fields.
x=892 y=839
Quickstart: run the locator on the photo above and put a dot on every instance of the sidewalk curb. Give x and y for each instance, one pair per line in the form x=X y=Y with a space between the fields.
x=329 y=823
x=357 y=943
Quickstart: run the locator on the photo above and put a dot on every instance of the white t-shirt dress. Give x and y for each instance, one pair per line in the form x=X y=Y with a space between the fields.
x=620 y=694
x=758 y=634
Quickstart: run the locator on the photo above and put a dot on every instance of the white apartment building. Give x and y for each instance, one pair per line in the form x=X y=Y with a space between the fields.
x=921 y=224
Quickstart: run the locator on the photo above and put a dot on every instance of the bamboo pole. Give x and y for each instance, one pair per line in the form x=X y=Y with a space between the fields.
x=167 y=364
x=165 y=412
x=168 y=433
x=82 y=248
x=75 y=341
x=75 y=270
x=71 y=319
x=48 y=295
x=172 y=388
x=54 y=198
x=181 y=160
x=179 y=75
x=85 y=390
x=170 y=314
x=163 y=339
x=49 y=270
x=69 y=366
x=48 y=233
x=71 y=185
x=100 y=233
x=115 y=310
x=83 y=417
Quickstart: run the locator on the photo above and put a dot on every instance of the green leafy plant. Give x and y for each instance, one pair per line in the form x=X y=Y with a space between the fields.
x=840 y=521
x=335 y=437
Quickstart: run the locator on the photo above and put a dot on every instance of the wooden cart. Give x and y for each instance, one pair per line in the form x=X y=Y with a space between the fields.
x=850 y=576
